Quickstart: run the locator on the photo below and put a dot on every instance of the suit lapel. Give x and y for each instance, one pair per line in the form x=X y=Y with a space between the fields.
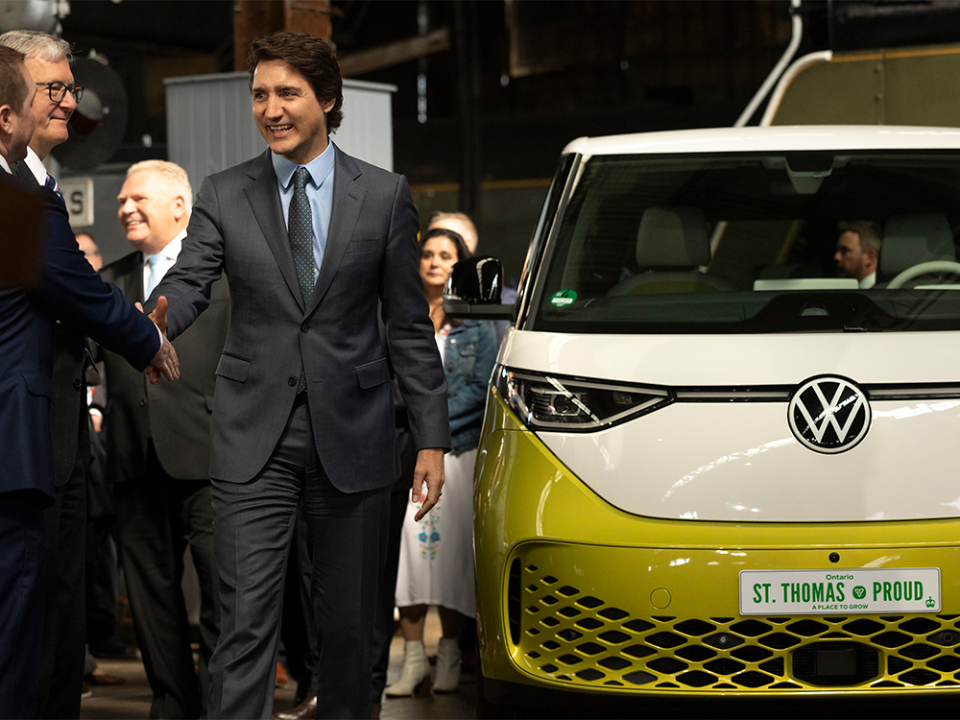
x=348 y=197
x=264 y=199
x=135 y=278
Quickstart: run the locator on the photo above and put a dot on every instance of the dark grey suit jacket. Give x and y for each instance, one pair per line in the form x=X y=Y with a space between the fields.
x=176 y=415
x=371 y=257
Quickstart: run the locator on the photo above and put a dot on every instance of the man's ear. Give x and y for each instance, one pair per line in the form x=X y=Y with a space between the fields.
x=6 y=119
x=179 y=207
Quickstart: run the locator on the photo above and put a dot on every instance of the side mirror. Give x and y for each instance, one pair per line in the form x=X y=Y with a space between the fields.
x=473 y=290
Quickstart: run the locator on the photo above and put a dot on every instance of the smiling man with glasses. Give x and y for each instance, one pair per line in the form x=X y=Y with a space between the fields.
x=48 y=60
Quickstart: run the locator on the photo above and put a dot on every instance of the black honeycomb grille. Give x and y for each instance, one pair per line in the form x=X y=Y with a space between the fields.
x=572 y=635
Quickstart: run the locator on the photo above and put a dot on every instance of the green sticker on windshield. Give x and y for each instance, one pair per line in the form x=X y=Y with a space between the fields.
x=563 y=298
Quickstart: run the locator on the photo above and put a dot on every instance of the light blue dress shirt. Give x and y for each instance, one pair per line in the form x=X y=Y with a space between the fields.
x=319 y=194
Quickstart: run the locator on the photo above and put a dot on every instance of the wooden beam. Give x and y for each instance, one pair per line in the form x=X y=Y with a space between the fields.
x=253 y=19
x=395 y=53
x=309 y=16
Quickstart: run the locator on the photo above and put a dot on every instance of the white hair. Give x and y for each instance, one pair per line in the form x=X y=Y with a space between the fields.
x=173 y=176
x=38 y=45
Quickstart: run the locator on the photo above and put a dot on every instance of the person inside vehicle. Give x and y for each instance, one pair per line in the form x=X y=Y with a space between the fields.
x=858 y=251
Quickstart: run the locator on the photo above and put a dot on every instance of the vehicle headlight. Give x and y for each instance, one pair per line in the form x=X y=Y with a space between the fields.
x=555 y=402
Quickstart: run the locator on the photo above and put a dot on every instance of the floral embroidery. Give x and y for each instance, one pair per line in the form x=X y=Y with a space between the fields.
x=429 y=536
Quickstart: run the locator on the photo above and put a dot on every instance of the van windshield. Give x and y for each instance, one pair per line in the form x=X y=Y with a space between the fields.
x=749 y=243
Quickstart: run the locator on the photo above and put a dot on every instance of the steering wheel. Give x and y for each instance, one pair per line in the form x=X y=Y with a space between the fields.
x=925 y=268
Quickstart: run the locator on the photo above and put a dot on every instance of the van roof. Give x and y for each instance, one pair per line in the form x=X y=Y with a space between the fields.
x=771 y=139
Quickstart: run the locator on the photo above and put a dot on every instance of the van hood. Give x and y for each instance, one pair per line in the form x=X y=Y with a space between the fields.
x=725 y=459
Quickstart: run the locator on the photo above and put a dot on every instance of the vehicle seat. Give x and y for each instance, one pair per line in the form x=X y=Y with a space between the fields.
x=672 y=243
x=909 y=240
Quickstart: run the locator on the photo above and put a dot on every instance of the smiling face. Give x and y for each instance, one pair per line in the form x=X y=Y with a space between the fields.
x=438 y=255
x=51 y=117
x=150 y=215
x=289 y=116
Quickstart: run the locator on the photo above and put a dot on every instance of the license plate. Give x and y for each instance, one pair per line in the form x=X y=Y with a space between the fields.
x=839 y=592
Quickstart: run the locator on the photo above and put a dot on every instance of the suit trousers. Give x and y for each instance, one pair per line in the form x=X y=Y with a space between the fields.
x=23 y=548
x=298 y=627
x=158 y=519
x=64 y=612
x=386 y=595
x=254 y=524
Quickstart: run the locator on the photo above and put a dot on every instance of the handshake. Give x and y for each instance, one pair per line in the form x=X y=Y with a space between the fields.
x=165 y=362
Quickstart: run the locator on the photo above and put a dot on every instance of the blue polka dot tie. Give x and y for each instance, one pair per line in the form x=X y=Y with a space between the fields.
x=300 y=230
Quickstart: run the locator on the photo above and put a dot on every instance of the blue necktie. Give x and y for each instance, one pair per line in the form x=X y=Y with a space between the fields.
x=51 y=183
x=153 y=279
x=300 y=230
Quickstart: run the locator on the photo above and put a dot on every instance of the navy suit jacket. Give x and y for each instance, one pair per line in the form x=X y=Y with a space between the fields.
x=71 y=292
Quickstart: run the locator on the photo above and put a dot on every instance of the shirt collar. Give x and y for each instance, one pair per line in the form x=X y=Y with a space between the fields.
x=172 y=249
x=4 y=164
x=868 y=282
x=319 y=168
x=35 y=164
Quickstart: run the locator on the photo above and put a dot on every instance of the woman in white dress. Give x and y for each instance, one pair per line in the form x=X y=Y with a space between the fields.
x=436 y=554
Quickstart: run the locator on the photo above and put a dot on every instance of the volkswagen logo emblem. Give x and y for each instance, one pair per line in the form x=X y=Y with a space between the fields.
x=829 y=414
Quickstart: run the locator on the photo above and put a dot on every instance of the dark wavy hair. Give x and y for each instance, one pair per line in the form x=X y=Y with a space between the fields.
x=13 y=87
x=313 y=58
x=456 y=238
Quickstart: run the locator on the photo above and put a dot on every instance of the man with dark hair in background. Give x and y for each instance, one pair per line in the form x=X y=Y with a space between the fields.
x=316 y=245
x=858 y=251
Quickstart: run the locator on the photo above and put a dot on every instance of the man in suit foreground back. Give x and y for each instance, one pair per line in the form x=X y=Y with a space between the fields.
x=313 y=243
x=61 y=671
x=68 y=291
x=158 y=450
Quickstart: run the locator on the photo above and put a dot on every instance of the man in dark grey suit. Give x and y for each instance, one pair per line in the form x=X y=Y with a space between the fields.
x=158 y=450
x=313 y=243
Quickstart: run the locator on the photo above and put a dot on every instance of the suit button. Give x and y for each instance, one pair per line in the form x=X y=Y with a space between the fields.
x=292 y=382
x=305 y=327
x=142 y=403
x=77 y=383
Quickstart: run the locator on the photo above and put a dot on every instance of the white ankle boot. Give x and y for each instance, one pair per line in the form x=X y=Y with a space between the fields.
x=416 y=671
x=447 y=679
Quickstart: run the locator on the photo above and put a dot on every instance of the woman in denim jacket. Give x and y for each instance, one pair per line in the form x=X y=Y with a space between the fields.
x=436 y=554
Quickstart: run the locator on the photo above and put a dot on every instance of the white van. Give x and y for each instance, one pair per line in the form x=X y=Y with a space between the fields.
x=711 y=467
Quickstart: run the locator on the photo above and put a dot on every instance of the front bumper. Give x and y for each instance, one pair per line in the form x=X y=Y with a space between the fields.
x=576 y=595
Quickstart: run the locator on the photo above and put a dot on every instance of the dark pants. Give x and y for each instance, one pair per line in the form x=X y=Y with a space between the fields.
x=64 y=612
x=23 y=547
x=386 y=596
x=298 y=628
x=254 y=526
x=158 y=519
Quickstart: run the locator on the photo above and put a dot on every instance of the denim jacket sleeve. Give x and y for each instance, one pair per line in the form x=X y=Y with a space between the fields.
x=470 y=353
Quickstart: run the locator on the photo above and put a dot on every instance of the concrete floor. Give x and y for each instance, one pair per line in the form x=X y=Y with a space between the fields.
x=132 y=699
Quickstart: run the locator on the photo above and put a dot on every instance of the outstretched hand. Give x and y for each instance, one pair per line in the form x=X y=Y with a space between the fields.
x=165 y=363
x=429 y=472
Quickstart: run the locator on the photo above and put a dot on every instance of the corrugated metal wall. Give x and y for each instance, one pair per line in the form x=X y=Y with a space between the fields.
x=210 y=125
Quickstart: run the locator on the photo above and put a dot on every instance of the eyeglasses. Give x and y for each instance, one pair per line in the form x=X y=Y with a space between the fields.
x=58 y=91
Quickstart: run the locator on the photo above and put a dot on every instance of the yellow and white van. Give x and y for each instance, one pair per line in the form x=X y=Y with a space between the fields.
x=709 y=466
